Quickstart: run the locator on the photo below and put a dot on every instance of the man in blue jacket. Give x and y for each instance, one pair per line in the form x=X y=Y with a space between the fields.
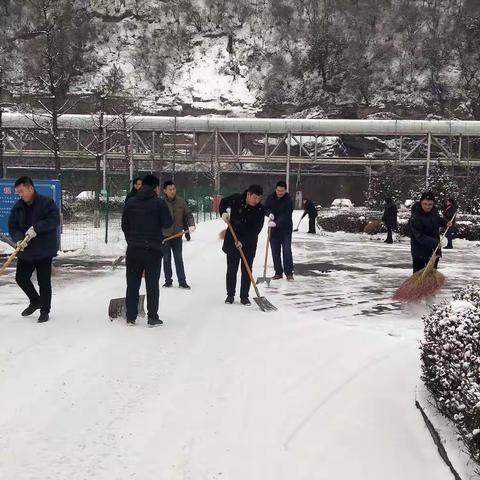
x=279 y=208
x=38 y=217
x=143 y=219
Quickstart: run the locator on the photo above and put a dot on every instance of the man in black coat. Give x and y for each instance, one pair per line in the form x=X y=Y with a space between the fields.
x=310 y=210
x=424 y=225
x=246 y=217
x=279 y=208
x=38 y=217
x=390 y=219
x=143 y=218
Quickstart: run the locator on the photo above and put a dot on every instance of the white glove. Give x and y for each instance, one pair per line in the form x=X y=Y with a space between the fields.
x=31 y=233
x=22 y=247
x=271 y=224
x=238 y=244
x=191 y=229
x=271 y=216
x=226 y=217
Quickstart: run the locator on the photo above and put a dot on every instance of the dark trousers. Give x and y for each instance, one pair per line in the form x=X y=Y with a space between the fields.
x=173 y=246
x=279 y=243
x=141 y=260
x=419 y=263
x=25 y=269
x=389 y=235
x=233 y=261
x=449 y=236
x=311 y=224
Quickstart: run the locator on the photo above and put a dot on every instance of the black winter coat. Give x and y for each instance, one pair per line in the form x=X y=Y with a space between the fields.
x=247 y=221
x=282 y=209
x=43 y=215
x=390 y=216
x=310 y=209
x=425 y=231
x=144 y=216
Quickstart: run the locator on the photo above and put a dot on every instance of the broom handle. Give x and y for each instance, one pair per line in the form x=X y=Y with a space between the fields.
x=432 y=258
x=11 y=258
x=266 y=252
x=247 y=266
x=443 y=236
x=171 y=237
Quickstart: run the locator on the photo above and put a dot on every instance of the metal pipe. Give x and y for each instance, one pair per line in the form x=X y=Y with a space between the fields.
x=258 y=125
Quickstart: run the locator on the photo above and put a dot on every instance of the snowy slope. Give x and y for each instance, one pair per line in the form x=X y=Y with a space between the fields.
x=218 y=392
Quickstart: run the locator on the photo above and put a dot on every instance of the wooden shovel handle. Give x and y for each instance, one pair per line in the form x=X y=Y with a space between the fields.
x=11 y=258
x=247 y=266
x=266 y=252
x=171 y=237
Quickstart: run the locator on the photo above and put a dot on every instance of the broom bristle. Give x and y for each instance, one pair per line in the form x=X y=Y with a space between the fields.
x=373 y=227
x=222 y=234
x=421 y=284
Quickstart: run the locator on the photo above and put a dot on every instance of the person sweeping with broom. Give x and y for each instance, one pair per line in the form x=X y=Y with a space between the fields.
x=424 y=225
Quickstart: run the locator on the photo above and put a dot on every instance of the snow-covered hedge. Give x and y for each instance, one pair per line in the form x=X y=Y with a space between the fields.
x=354 y=221
x=450 y=355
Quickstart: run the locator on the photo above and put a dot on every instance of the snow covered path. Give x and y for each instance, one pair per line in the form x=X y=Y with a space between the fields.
x=218 y=392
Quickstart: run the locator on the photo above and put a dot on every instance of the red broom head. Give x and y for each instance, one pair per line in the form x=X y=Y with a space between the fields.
x=373 y=228
x=422 y=284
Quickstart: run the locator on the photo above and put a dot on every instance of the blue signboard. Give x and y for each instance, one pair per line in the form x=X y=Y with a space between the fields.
x=8 y=197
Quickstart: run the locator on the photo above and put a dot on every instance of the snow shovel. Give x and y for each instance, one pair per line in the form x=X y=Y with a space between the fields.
x=7 y=240
x=266 y=279
x=118 y=308
x=262 y=302
x=118 y=261
x=11 y=258
x=296 y=230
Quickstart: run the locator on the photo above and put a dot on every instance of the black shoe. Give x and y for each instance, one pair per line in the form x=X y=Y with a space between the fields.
x=130 y=322
x=277 y=276
x=290 y=277
x=184 y=285
x=153 y=322
x=388 y=241
x=448 y=247
x=30 y=309
x=230 y=299
x=245 y=301
x=42 y=318
x=167 y=284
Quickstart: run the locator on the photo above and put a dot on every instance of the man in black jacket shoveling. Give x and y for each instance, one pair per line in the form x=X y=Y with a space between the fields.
x=246 y=217
x=144 y=217
x=424 y=225
x=279 y=208
x=311 y=211
x=38 y=217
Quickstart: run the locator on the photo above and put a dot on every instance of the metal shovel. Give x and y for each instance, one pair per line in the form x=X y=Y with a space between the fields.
x=118 y=308
x=266 y=279
x=262 y=302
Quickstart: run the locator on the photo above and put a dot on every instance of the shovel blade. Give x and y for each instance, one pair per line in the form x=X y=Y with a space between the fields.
x=118 y=308
x=266 y=280
x=264 y=304
x=118 y=261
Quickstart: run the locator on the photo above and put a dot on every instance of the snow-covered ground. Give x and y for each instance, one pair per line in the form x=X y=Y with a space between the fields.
x=322 y=389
